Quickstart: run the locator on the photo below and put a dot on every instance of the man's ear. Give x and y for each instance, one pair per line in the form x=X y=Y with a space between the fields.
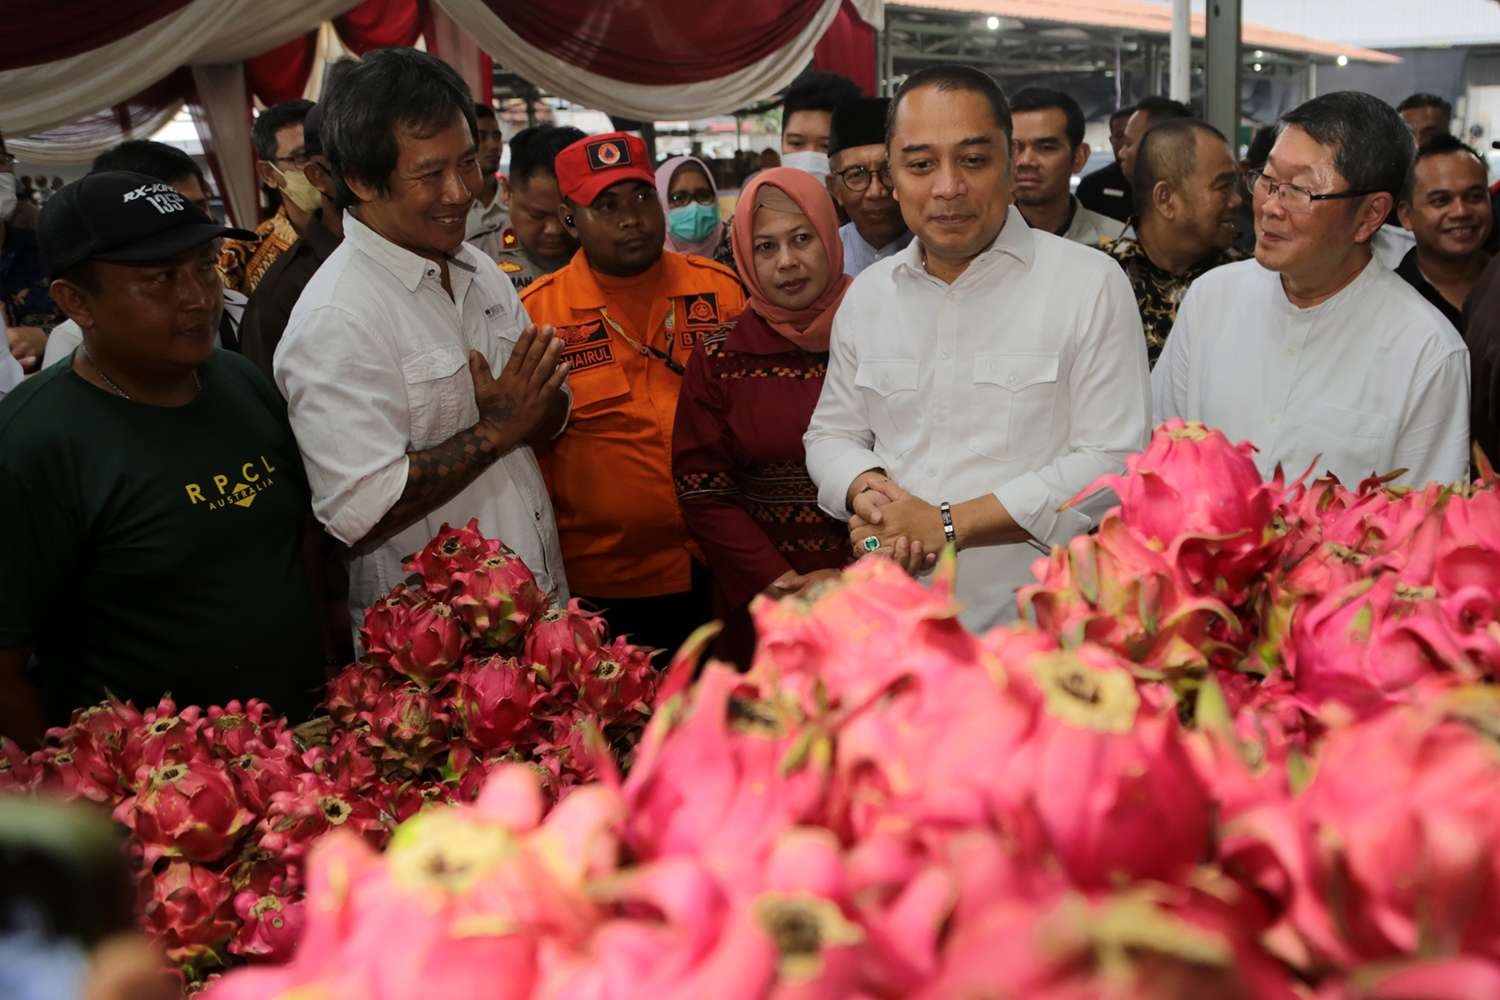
x=1403 y=212
x=266 y=171
x=565 y=213
x=320 y=177
x=75 y=302
x=1372 y=215
x=505 y=191
x=1081 y=157
x=1161 y=198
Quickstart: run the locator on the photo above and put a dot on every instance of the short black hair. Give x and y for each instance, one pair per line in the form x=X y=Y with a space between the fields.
x=1046 y=99
x=1119 y=113
x=1372 y=148
x=1423 y=100
x=1160 y=109
x=955 y=78
x=1259 y=149
x=154 y=159
x=1439 y=145
x=1168 y=152
x=389 y=88
x=484 y=110
x=533 y=150
x=273 y=120
x=816 y=90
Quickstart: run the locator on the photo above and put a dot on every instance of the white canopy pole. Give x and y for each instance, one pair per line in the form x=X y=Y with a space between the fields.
x=1181 y=61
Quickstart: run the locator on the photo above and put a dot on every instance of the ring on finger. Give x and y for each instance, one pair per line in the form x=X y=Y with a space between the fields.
x=871 y=543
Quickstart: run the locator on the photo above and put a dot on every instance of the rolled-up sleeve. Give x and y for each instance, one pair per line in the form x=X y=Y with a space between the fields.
x=839 y=440
x=1108 y=397
x=1434 y=442
x=346 y=399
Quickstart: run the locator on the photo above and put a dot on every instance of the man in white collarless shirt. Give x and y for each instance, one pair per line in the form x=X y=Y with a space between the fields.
x=988 y=366
x=387 y=358
x=1314 y=350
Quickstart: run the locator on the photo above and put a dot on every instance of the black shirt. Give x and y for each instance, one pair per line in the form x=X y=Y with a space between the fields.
x=271 y=303
x=1482 y=333
x=157 y=549
x=1412 y=275
x=1106 y=192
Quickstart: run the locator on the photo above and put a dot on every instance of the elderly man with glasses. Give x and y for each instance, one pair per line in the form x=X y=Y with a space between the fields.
x=1320 y=356
x=861 y=184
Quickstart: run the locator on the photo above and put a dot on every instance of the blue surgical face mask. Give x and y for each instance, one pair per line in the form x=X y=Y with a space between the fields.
x=693 y=222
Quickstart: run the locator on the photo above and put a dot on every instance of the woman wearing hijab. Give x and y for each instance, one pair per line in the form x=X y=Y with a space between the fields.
x=747 y=397
x=691 y=202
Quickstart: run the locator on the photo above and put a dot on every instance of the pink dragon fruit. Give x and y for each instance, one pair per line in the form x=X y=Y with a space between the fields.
x=614 y=679
x=299 y=815
x=452 y=551
x=235 y=729
x=348 y=761
x=263 y=771
x=497 y=599
x=355 y=690
x=187 y=909
x=493 y=702
x=186 y=810
x=410 y=726
x=1200 y=500
x=77 y=772
x=1104 y=781
x=419 y=638
x=18 y=772
x=562 y=637
x=270 y=926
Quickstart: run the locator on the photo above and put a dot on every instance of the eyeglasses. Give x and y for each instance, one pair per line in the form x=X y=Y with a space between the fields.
x=702 y=196
x=298 y=159
x=858 y=178
x=1293 y=197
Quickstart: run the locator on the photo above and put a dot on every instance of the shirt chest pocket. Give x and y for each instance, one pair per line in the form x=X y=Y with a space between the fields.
x=890 y=386
x=439 y=394
x=1352 y=442
x=1010 y=398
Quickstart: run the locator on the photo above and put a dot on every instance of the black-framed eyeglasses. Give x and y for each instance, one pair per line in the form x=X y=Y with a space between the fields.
x=299 y=159
x=1293 y=196
x=702 y=196
x=858 y=178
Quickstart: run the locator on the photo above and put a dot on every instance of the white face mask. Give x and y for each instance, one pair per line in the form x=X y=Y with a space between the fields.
x=808 y=160
x=7 y=196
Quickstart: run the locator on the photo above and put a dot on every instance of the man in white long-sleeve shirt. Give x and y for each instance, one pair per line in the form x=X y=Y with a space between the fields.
x=984 y=375
x=1314 y=350
x=413 y=378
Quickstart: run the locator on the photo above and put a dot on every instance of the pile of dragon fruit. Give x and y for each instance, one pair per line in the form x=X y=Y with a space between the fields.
x=1243 y=745
x=471 y=668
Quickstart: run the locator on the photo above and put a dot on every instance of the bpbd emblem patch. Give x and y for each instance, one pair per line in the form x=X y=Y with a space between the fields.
x=606 y=154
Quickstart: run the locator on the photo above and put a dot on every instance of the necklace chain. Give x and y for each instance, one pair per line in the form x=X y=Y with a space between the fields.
x=197 y=382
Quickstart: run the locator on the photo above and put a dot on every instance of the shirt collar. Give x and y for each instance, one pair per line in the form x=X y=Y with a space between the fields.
x=1355 y=289
x=584 y=292
x=1016 y=240
x=408 y=267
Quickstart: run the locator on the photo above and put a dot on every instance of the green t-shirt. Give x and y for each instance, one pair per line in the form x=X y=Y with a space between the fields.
x=156 y=549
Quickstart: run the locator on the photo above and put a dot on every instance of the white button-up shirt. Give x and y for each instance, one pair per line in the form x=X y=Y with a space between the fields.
x=1372 y=380
x=375 y=363
x=1025 y=378
x=486 y=224
x=859 y=255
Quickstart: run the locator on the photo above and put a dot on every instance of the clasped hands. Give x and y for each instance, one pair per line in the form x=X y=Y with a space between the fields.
x=908 y=528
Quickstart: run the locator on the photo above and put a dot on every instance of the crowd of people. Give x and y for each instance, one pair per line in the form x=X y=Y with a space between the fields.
x=910 y=334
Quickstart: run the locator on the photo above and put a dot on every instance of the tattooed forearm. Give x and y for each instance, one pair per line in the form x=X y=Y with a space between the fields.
x=434 y=476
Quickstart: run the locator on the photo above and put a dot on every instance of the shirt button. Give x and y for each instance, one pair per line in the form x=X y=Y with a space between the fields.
x=1012 y=380
x=932 y=472
x=945 y=355
x=538 y=515
x=1274 y=420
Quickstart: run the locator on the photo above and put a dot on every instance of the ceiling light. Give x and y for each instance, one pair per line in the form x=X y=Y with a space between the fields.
x=1260 y=53
x=1343 y=60
x=992 y=22
x=1256 y=67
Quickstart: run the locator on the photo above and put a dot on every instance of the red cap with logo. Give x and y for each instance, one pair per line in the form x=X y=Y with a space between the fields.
x=596 y=162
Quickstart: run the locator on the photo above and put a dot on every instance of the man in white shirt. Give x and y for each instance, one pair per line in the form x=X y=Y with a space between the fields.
x=1048 y=149
x=856 y=154
x=984 y=375
x=387 y=358
x=1314 y=350
x=489 y=213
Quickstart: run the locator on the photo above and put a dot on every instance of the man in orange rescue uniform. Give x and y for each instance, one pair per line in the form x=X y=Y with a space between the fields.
x=630 y=314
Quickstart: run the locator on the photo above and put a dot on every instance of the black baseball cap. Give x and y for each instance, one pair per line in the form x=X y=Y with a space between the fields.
x=122 y=217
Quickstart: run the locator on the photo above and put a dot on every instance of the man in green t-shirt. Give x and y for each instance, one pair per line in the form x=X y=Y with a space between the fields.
x=151 y=490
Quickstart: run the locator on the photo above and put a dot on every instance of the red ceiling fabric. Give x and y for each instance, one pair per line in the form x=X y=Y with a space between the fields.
x=657 y=42
x=41 y=32
x=849 y=48
x=381 y=24
x=281 y=74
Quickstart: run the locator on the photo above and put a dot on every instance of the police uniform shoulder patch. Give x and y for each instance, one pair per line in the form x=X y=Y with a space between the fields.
x=511 y=267
x=508 y=239
x=607 y=154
